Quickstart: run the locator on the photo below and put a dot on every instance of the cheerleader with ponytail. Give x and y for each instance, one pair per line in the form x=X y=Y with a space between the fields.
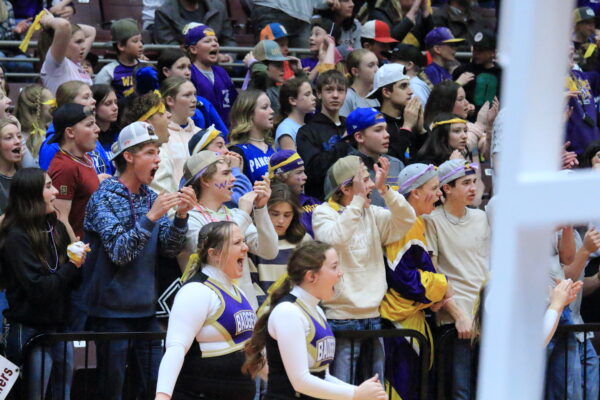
x=210 y=323
x=299 y=342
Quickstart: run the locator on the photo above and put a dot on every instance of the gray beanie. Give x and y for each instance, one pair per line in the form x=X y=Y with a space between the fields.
x=414 y=176
x=451 y=170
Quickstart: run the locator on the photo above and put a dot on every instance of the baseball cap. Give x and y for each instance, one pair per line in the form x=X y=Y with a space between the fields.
x=123 y=29
x=66 y=116
x=193 y=32
x=440 y=35
x=327 y=24
x=388 y=73
x=133 y=134
x=196 y=165
x=362 y=118
x=202 y=138
x=451 y=170
x=284 y=161
x=484 y=40
x=268 y=50
x=273 y=31
x=378 y=31
x=583 y=14
x=406 y=52
x=342 y=172
x=414 y=176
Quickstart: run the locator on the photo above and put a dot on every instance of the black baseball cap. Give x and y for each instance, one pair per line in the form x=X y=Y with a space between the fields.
x=68 y=115
x=406 y=52
x=484 y=40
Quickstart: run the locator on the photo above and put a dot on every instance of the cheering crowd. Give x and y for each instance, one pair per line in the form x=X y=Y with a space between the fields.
x=348 y=189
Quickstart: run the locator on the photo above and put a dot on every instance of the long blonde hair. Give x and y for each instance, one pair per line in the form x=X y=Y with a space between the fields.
x=29 y=113
x=4 y=122
x=241 y=116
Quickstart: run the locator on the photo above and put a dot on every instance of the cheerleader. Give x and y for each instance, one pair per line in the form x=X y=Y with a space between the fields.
x=210 y=322
x=302 y=371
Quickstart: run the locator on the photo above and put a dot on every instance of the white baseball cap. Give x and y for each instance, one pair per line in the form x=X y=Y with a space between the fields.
x=132 y=135
x=388 y=73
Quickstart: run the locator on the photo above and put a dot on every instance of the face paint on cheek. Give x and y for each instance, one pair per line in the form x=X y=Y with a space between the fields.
x=221 y=185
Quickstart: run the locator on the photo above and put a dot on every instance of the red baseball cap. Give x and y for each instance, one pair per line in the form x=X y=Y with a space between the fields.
x=378 y=31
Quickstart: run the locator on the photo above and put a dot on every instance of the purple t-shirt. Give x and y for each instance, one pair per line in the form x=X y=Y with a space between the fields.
x=221 y=94
x=117 y=75
x=310 y=62
x=582 y=127
x=436 y=73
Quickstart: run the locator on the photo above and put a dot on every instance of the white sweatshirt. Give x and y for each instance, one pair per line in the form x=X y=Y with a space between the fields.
x=358 y=235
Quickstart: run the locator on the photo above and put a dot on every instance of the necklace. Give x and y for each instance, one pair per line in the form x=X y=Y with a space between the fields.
x=256 y=140
x=455 y=220
x=55 y=266
x=80 y=160
x=214 y=216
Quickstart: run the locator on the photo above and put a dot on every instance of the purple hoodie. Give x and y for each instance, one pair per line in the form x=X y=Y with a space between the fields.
x=221 y=94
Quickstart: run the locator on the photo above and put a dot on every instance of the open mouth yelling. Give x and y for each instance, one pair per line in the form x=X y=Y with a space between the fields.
x=240 y=262
x=16 y=151
x=153 y=172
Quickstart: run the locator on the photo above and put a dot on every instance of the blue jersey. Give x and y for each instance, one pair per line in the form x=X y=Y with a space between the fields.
x=256 y=161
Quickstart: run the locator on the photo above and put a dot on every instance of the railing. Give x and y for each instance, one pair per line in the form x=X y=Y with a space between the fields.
x=85 y=382
x=84 y=359
x=13 y=44
x=444 y=371
x=571 y=372
x=564 y=369
x=422 y=369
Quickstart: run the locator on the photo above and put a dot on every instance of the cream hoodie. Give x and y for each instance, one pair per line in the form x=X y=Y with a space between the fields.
x=358 y=234
x=173 y=156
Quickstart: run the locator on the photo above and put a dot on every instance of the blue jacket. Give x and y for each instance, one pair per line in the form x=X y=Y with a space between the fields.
x=120 y=272
x=99 y=156
x=206 y=115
